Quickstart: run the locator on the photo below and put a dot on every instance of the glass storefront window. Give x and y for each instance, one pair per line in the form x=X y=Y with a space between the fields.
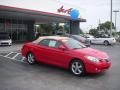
x=17 y=29
x=1 y=27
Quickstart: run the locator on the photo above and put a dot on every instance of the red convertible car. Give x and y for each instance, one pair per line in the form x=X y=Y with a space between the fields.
x=67 y=53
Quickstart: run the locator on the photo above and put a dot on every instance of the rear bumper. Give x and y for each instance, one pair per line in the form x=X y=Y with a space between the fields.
x=97 y=68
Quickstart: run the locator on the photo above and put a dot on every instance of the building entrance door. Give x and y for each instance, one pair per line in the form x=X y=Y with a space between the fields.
x=17 y=32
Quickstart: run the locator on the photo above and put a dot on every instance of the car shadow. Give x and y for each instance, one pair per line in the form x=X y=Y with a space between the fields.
x=92 y=45
x=46 y=69
x=4 y=45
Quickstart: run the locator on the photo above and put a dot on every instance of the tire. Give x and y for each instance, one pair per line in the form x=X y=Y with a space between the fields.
x=106 y=43
x=30 y=58
x=90 y=42
x=10 y=45
x=77 y=68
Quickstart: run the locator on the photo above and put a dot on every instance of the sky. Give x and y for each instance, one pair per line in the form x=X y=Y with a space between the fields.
x=96 y=10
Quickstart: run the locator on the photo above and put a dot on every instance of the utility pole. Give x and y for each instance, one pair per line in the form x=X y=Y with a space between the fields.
x=115 y=11
x=99 y=24
x=111 y=19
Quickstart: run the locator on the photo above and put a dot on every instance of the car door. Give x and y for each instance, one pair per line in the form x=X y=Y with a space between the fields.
x=51 y=54
x=97 y=40
x=41 y=50
x=58 y=56
x=100 y=39
x=93 y=40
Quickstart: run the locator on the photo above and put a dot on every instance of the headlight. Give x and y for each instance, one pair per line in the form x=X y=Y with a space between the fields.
x=91 y=58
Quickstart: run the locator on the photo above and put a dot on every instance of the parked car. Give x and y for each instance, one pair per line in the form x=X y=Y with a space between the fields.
x=5 y=39
x=118 y=39
x=66 y=53
x=81 y=39
x=102 y=39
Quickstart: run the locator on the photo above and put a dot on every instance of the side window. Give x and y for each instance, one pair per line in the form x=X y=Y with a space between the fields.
x=97 y=36
x=54 y=43
x=44 y=42
x=50 y=43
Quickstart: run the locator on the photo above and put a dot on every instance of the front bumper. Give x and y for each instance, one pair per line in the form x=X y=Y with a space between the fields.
x=97 y=67
x=112 y=42
x=87 y=43
x=4 y=43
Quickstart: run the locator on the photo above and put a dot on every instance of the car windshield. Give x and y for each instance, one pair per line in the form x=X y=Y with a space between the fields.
x=73 y=44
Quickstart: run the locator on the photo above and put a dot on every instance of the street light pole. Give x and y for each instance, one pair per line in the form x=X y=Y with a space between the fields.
x=115 y=11
x=111 y=19
x=99 y=24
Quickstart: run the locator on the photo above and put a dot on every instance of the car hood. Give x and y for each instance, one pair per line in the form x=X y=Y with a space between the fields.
x=92 y=52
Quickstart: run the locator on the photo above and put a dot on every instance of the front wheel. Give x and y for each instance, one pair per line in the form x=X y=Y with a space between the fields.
x=30 y=58
x=77 y=67
x=90 y=42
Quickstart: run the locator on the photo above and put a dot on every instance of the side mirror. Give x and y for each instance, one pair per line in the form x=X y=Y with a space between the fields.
x=61 y=47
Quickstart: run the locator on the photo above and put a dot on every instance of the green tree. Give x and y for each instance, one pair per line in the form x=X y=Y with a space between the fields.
x=81 y=31
x=67 y=27
x=118 y=33
x=45 y=29
x=58 y=27
x=93 y=32
x=104 y=29
x=105 y=26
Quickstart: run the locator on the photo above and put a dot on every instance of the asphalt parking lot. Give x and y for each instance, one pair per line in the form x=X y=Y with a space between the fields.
x=17 y=74
x=14 y=47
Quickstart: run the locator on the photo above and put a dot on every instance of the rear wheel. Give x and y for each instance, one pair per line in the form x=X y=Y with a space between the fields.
x=106 y=43
x=77 y=67
x=30 y=58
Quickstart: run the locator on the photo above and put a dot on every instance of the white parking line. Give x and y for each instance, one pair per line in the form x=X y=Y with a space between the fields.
x=23 y=58
x=14 y=57
x=8 y=54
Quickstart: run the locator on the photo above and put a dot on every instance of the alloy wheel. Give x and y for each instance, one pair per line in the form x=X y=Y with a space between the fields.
x=77 y=67
x=31 y=58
